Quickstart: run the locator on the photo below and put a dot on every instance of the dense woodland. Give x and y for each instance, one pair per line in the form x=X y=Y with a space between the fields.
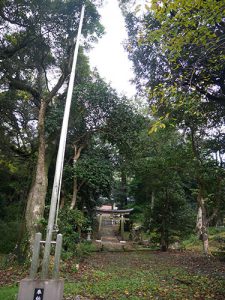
x=165 y=159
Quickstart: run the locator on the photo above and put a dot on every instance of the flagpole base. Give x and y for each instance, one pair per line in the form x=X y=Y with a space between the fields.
x=49 y=289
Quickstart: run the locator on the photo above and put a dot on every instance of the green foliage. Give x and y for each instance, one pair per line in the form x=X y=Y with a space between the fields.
x=178 y=55
x=216 y=230
x=96 y=171
x=71 y=223
x=84 y=249
x=9 y=232
x=216 y=238
x=178 y=13
x=37 y=45
x=171 y=218
x=159 y=187
x=137 y=216
x=192 y=242
x=177 y=47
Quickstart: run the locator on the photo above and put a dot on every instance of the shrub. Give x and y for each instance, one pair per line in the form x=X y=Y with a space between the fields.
x=71 y=224
x=9 y=232
x=83 y=249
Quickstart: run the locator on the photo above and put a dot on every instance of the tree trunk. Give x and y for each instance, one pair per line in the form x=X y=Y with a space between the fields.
x=164 y=243
x=75 y=191
x=124 y=188
x=62 y=199
x=152 y=207
x=36 y=197
x=152 y=200
x=199 y=221
x=202 y=223
x=164 y=236
x=77 y=152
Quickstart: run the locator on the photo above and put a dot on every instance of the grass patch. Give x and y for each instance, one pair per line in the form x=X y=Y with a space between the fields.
x=8 y=292
x=192 y=243
x=216 y=240
x=142 y=276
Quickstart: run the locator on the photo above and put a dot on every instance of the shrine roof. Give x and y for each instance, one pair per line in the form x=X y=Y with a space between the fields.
x=115 y=211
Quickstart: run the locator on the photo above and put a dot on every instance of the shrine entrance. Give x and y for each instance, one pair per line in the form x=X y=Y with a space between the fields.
x=111 y=221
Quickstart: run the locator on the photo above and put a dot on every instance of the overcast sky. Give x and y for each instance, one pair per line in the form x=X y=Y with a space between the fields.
x=109 y=56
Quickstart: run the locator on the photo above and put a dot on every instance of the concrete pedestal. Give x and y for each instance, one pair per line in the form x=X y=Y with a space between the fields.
x=51 y=289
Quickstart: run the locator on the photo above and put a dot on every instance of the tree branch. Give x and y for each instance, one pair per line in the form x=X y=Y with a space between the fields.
x=23 y=86
x=65 y=72
x=218 y=99
x=9 y=52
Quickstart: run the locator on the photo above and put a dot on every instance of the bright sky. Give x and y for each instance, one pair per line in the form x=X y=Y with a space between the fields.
x=109 y=56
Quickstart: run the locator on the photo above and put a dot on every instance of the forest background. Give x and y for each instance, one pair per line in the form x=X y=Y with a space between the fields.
x=166 y=161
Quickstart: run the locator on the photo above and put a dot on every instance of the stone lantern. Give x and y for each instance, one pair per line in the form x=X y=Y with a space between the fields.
x=89 y=230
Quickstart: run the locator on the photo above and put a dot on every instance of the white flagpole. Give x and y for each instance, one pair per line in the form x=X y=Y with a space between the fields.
x=60 y=156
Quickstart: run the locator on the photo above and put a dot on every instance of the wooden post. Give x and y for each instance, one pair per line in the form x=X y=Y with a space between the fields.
x=122 y=227
x=58 y=249
x=35 y=256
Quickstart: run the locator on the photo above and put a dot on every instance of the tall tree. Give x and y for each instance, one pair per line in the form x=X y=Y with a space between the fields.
x=123 y=131
x=178 y=55
x=160 y=175
x=93 y=103
x=37 y=42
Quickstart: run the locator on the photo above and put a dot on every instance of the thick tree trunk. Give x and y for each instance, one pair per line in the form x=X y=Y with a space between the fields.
x=36 y=197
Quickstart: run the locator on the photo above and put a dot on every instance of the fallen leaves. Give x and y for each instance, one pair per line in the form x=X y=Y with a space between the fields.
x=137 y=275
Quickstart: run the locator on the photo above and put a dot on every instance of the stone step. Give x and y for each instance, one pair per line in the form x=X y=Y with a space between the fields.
x=110 y=239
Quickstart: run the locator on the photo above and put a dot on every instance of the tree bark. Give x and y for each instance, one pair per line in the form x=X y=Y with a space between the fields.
x=77 y=152
x=62 y=199
x=163 y=244
x=202 y=223
x=36 y=197
x=152 y=207
x=199 y=221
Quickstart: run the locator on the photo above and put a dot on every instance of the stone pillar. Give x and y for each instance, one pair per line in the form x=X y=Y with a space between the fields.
x=58 y=250
x=35 y=256
x=51 y=289
x=100 y=223
x=122 y=227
